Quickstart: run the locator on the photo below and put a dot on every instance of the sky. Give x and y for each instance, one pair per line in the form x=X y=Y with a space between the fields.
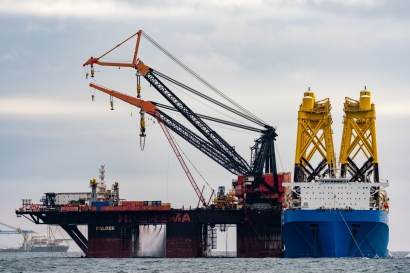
x=262 y=54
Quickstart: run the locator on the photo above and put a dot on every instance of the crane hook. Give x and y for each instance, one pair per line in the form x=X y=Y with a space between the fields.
x=138 y=91
x=92 y=71
x=142 y=130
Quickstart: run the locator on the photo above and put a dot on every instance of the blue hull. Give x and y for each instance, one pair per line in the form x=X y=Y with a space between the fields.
x=311 y=233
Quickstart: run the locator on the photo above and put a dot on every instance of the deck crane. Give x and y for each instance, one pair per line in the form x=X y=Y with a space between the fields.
x=258 y=182
x=24 y=233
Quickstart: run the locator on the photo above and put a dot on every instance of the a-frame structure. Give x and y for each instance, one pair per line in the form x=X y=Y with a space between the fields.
x=314 y=134
x=359 y=134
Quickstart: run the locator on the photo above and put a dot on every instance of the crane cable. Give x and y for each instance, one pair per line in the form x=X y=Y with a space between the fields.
x=57 y=244
x=92 y=93
x=199 y=78
x=206 y=97
x=179 y=147
x=280 y=160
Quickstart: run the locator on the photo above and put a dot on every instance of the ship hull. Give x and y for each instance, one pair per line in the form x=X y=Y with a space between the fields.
x=335 y=233
x=49 y=249
x=38 y=249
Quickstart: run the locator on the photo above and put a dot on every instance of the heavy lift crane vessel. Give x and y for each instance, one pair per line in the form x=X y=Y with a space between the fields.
x=258 y=183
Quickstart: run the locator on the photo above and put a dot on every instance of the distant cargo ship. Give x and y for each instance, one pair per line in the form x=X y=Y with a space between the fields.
x=41 y=244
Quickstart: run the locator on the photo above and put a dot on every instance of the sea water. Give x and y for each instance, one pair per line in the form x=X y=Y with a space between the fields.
x=72 y=262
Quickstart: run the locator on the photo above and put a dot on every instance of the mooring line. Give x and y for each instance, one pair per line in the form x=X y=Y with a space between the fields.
x=351 y=233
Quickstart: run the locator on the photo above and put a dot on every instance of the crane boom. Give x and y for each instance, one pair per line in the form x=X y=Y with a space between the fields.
x=204 y=146
x=24 y=233
x=7 y=226
x=151 y=109
x=258 y=180
x=240 y=163
x=181 y=160
x=147 y=106
x=17 y=230
x=92 y=60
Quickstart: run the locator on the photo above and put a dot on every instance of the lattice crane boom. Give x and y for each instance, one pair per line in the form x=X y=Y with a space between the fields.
x=182 y=162
x=262 y=168
x=163 y=120
x=212 y=136
x=16 y=230
x=149 y=107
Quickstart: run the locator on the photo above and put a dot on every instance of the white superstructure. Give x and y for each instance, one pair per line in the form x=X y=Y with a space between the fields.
x=65 y=197
x=103 y=194
x=335 y=193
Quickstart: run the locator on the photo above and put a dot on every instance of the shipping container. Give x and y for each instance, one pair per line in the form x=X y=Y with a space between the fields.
x=100 y=203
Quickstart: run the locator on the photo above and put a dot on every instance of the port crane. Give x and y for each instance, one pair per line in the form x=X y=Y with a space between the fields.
x=24 y=233
x=258 y=180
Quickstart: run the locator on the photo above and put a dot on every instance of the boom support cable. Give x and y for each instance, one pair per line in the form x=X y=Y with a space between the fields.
x=204 y=146
x=182 y=151
x=195 y=75
x=245 y=127
x=181 y=161
x=199 y=124
x=206 y=97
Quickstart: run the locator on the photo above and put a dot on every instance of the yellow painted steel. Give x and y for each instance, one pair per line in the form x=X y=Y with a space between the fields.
x=93 y=182
x=308 y=103
x=314 y=132
x=359 y=129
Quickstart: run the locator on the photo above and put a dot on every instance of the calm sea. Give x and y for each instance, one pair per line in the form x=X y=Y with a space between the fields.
x=70 y=262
